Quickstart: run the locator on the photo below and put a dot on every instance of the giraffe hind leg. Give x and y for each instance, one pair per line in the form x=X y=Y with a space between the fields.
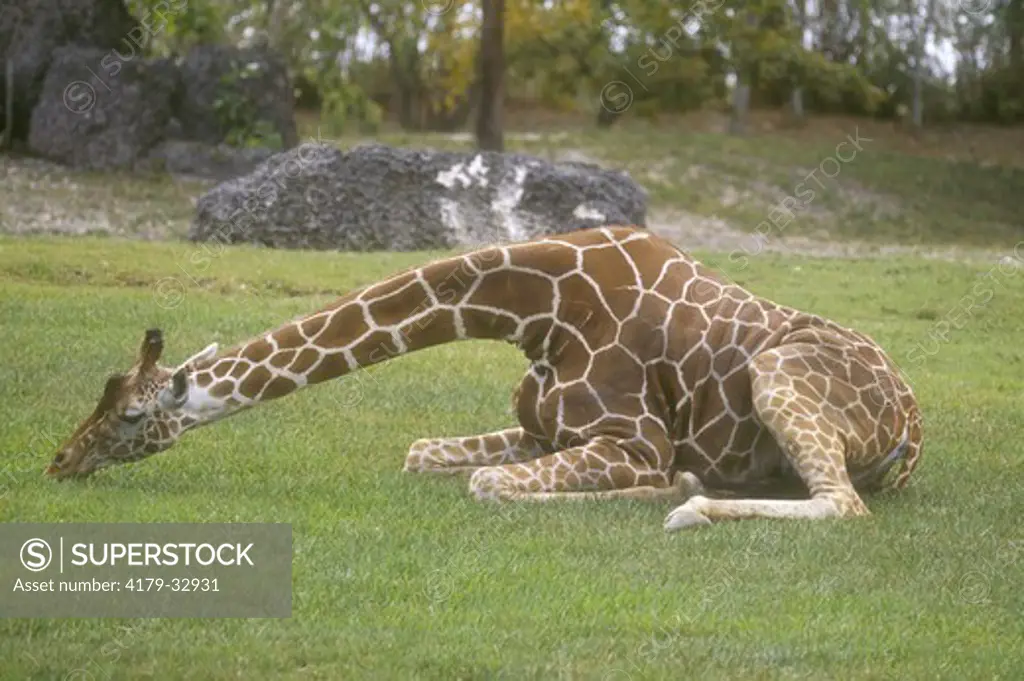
x=810 y=437
x=460 y=455
x=598 y=470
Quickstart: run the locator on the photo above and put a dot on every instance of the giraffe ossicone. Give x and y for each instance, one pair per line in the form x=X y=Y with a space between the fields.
x=651 y=377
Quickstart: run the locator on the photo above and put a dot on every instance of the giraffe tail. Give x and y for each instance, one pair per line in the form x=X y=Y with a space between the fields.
x=914 y=446
x=907 y=452
x=872 y=479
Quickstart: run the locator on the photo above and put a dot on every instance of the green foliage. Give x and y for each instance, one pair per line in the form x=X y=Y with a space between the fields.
x=345 y=107
x=241 y=125
x=829 y=85
x=1002 y=97
x=173 y=26
x=559 y=54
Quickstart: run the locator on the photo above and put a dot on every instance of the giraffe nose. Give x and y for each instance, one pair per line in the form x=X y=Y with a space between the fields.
x=54 y=466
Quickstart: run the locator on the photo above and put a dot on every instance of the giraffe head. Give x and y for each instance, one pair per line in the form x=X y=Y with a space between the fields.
x=140 y=413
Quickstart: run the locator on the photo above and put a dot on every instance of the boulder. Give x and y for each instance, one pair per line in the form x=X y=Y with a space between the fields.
x=30 y=31
x=85 y=120
x=197 y=159
x=376 y=197
x=236 y=95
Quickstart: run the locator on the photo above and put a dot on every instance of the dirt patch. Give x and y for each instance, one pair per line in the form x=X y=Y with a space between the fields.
x=700 y=233
x=39 y=197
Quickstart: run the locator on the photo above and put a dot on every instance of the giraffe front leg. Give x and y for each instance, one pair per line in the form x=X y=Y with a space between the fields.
x=599 y=470
x=453 y=456
x=811 y=436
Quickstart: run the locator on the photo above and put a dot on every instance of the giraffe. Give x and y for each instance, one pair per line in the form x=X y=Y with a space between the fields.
x=650 y=377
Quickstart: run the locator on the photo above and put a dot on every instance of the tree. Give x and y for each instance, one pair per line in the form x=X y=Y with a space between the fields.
x=797 y=96
x=745 y=70
x=919 y=27
x=489 y=135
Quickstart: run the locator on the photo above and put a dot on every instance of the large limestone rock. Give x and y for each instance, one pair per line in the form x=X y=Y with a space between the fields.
x=198 y=159
x=87 y=121
x=382 y=198
x=30 y=31
x=230 y=91
x=85 y=96
x=147 y=114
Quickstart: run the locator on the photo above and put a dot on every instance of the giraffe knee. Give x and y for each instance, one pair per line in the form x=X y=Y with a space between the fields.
x=490 y=484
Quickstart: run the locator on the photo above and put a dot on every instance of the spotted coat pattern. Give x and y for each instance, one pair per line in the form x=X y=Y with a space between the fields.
x=650 y=377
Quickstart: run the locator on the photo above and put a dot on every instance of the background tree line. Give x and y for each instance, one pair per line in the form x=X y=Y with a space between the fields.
x=419 y=61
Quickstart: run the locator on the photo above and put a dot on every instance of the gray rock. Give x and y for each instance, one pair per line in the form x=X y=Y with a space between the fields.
x=86 y=121
x=228 y=88
x=376 y=197
x=198 y=159
x=30 y=30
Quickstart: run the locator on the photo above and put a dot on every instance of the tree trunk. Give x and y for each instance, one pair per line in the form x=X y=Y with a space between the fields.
x=917 y=110
x=8 y=131
x=797 y=96
x=406 y=78
x=1015 y=33
x=917 y=114
x=740 y=107
x=797 y=101
x=489 y=135
x=828 y=12
x=408 y=106
x=744 y=79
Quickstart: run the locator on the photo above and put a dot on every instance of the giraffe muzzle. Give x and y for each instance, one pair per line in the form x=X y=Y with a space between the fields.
x=60 y=474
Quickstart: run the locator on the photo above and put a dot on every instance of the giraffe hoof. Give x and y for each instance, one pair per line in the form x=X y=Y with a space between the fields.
x=683 y=517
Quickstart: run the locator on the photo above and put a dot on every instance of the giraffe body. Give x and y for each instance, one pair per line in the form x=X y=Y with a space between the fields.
x=650 y=377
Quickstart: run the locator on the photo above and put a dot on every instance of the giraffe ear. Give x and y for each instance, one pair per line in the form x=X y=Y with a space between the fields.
x=152 y=348
x=176 y=394
x=204 y=355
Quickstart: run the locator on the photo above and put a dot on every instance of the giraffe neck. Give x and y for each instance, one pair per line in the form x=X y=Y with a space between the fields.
x=459 y=298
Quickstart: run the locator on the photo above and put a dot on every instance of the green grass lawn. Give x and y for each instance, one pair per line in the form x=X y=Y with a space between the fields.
x=404 y=577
